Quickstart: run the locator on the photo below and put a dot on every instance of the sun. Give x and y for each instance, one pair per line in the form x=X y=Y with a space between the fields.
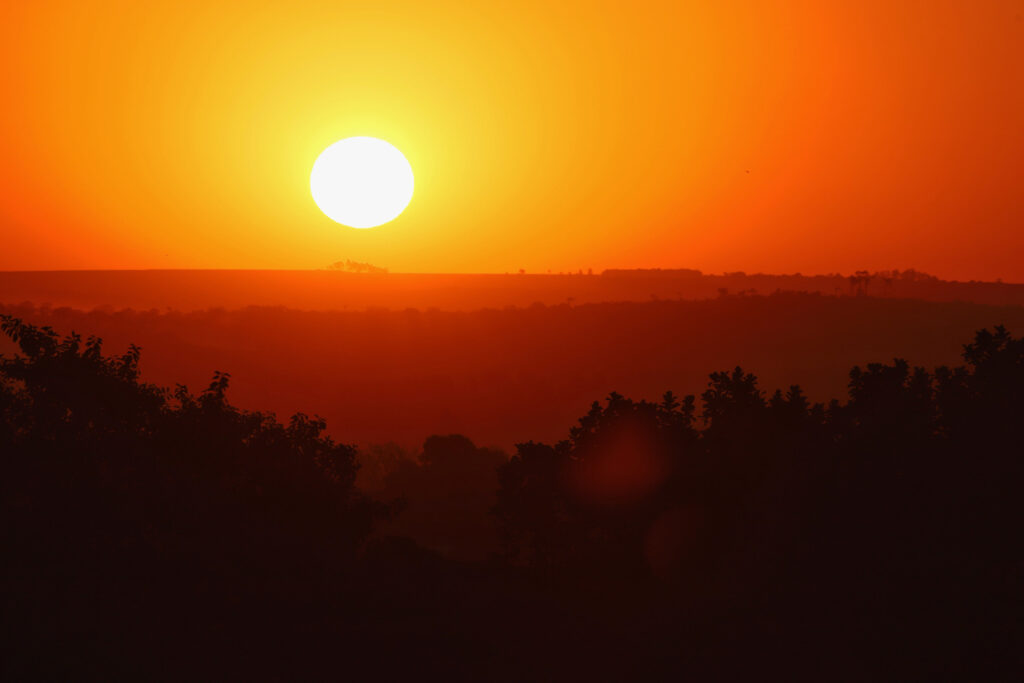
x=361 y=182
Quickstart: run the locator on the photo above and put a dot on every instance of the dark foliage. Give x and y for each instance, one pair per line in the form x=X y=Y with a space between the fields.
x=123 y=501
x=883 y=533
x=442 y=499
x=155 y=534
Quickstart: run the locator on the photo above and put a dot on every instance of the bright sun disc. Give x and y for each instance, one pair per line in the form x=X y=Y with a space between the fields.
x=361 y=182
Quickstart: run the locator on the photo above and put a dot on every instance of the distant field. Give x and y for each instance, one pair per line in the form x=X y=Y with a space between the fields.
x=501 y=376
x=313 y=290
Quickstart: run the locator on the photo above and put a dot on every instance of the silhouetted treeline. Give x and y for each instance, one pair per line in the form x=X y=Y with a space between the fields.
x=161 y=534
x=891 y=520
x=124 y=501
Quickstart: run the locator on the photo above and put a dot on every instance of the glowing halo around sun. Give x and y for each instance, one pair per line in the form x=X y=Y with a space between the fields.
x=361 y=182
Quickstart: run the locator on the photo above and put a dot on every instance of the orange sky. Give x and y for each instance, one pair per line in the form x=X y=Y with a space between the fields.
x=757 y=136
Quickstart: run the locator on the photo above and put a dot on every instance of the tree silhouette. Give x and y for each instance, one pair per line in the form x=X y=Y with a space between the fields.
x=904 y=494
x=121 y=496
x=879 y=533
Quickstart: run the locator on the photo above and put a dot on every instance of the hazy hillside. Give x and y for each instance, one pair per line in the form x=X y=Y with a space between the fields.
x=323 y=290
x=501 y=376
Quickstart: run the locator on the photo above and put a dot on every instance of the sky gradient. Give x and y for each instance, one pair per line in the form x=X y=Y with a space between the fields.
x=759 y=136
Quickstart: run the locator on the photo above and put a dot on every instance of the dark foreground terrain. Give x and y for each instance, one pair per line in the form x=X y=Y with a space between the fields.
x=158 y=533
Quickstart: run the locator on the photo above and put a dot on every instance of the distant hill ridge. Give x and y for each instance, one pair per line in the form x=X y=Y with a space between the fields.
x=188 y=290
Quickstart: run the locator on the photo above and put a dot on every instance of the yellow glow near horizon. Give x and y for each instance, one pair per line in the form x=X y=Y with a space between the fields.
x=361 y=182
